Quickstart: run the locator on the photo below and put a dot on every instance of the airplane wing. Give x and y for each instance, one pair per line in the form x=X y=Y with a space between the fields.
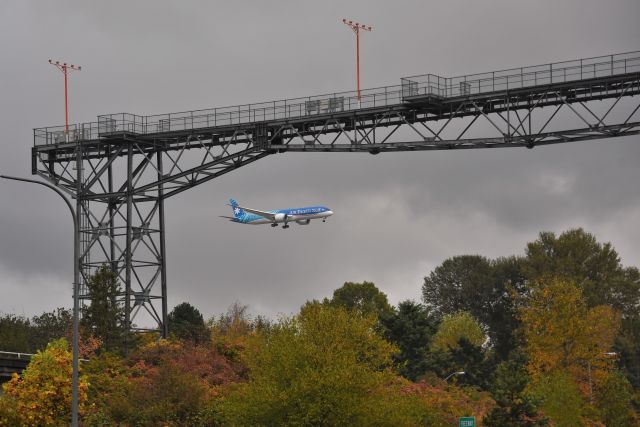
x=268 y=215
x=229 y=218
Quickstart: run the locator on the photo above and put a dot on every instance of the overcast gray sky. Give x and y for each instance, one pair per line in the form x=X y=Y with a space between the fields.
x=397 y=216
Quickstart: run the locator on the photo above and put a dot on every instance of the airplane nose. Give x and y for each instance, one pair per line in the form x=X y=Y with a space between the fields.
x=329 y=213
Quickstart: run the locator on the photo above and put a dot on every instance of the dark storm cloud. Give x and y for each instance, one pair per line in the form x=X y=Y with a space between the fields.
x=397 y=215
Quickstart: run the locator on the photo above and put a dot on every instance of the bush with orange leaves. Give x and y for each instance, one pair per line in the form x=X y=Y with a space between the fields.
x=447 y=403
x=42 y=395
x=162 y=383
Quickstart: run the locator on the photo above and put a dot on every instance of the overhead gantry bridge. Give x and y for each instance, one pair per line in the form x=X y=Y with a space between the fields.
x=123 y=167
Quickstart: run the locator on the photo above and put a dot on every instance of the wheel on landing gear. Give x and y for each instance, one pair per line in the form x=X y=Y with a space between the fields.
x=285 y=226
x=274 y=224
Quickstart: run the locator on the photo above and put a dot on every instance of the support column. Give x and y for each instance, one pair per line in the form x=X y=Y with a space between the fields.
x=163 y=254
x=128 y=250
x=76 y=287
x=112 y=232
x=79 y=214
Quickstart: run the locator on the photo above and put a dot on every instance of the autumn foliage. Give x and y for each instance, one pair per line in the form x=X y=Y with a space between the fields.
x=448 y=403
x=42 y=395
x=548 y=339
x=563 y=334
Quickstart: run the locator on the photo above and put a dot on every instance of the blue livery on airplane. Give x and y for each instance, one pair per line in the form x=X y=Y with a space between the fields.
x=302 y=216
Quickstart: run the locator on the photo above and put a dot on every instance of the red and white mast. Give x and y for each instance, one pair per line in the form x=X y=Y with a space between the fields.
x=66 y=69
x=356 y=27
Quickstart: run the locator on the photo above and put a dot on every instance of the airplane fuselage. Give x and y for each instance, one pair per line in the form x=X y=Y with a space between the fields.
x=301 y=216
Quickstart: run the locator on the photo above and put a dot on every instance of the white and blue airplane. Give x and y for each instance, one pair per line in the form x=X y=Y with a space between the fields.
x=302 y=216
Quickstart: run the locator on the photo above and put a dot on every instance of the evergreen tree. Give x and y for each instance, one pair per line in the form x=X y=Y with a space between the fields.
x=514 y=405
x=186 y=323
x=411 y=328
x=104 y=316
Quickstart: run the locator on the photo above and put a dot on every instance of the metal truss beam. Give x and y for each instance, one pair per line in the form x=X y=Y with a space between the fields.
x=122 y=177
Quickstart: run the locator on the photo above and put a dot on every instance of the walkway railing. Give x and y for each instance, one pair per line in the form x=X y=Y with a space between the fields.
x=409 y=88
x=14 y=355
x=517 y=78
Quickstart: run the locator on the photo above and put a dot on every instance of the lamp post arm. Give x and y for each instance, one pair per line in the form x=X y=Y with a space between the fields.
x=60 y=193
x=76 y=291
x=454 y=373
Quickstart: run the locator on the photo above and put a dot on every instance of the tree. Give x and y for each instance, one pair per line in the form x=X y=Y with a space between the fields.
x=50 y=326
x=411 y=328
x=326 y=366
x=24 y=335
x=457 y=346
x=186 y=323
x=482 y=287
x=159 y=395
x=15 y=334
x=515 y=406
x=448 y=403
x=560 y=399
x=104 y=317
x=563 y=334
x=236 y=322
x=627 y=345
x=502 y=320
x=202 y=361
x=363 y=297
x=614 y=401
x=461 y=283
x=108 y=378
x=164 y=382
x=231 y=330
x=474 y=360
x=595 y=268
x=42 y=395
x=455 y=327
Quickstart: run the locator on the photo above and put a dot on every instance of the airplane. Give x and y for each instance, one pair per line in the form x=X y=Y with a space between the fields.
x=302 y=216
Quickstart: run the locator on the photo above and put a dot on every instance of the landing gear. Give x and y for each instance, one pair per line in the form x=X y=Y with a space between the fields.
x=285 y=225
x=324 y=219
x=275 y=224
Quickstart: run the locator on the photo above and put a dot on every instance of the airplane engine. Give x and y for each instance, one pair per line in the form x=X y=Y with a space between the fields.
x=304 y=221
x=281 y=217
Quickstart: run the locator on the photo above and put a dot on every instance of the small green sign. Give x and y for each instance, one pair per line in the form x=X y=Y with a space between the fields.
x=467 y=422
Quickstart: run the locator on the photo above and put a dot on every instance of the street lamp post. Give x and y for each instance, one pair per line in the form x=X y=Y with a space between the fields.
x=454 y=373
x=76 y=284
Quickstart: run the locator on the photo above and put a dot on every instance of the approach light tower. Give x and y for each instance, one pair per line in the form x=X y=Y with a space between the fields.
x=66 y=69
x=356 y=27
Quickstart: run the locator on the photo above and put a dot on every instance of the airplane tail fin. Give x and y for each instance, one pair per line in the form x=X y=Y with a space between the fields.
x=238 y=212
